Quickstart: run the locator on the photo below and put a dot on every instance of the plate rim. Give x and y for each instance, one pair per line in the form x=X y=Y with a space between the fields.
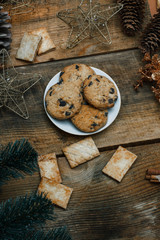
x=81 y=133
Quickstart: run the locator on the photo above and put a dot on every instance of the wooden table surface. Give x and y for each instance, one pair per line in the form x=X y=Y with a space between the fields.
x=100 y=207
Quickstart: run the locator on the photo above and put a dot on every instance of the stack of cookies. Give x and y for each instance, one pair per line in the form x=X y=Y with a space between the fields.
x=82 y=96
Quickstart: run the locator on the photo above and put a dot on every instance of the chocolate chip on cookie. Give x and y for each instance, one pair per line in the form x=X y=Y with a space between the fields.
x=62 y=103
x=60 y=81
x=61 y=73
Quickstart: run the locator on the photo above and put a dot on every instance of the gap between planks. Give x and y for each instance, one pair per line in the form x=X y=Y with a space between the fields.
x=126 y=145
x=77 y=58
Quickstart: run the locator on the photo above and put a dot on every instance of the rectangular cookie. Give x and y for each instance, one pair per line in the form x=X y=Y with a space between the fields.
x=59 y=194
x=28 y=47
x=119 y=164
x=80 y=152
x=49 y=167
x=46 y=42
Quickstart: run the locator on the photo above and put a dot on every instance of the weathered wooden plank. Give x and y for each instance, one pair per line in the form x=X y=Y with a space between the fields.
x=137 y=121
x=100 y=207
x=44 y=15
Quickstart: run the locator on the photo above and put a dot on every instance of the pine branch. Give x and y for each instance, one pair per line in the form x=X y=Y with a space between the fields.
x=61 y=234
x=57 y=234
x=16 y=159
x=22 y=215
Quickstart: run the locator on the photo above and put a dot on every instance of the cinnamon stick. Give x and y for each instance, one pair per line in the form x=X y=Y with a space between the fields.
x=153 y=177
x=154 y=180
x=153 y=171
x=148 y=176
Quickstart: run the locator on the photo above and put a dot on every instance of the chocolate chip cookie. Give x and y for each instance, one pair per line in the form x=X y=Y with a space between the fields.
x=90 y=119
x=76 y=74
x=100 y=92
x=62 y=102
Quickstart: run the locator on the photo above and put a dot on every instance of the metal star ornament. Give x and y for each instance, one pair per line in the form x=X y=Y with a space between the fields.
x=13 y=85
x=89 y=19
x=18 y=7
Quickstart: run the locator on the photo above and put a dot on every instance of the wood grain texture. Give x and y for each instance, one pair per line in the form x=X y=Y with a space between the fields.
x=44 y=15
x=100 y=207
x=138 y=120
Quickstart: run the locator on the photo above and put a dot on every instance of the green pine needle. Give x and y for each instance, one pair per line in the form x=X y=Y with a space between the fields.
x=20 y=217
x=61 y=234
x=16 y=159
x=57 y=234
x=22 y=214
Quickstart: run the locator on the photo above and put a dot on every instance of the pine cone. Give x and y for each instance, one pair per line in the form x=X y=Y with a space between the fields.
x=132 y=15
x=150 y=40
x=5 y=34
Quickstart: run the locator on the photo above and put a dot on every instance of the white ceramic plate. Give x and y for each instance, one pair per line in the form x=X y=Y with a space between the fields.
x=67 y=125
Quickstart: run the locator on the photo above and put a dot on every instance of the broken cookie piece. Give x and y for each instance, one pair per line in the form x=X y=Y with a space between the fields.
x=80 y=152
x=59 y=194
x=49 y=167
x=119 y=164
x=46 y=42
x=28 y=47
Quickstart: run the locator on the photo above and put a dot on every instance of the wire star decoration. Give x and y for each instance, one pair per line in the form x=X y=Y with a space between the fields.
x=13 y=85
x=18 y=7
x=89 y=20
